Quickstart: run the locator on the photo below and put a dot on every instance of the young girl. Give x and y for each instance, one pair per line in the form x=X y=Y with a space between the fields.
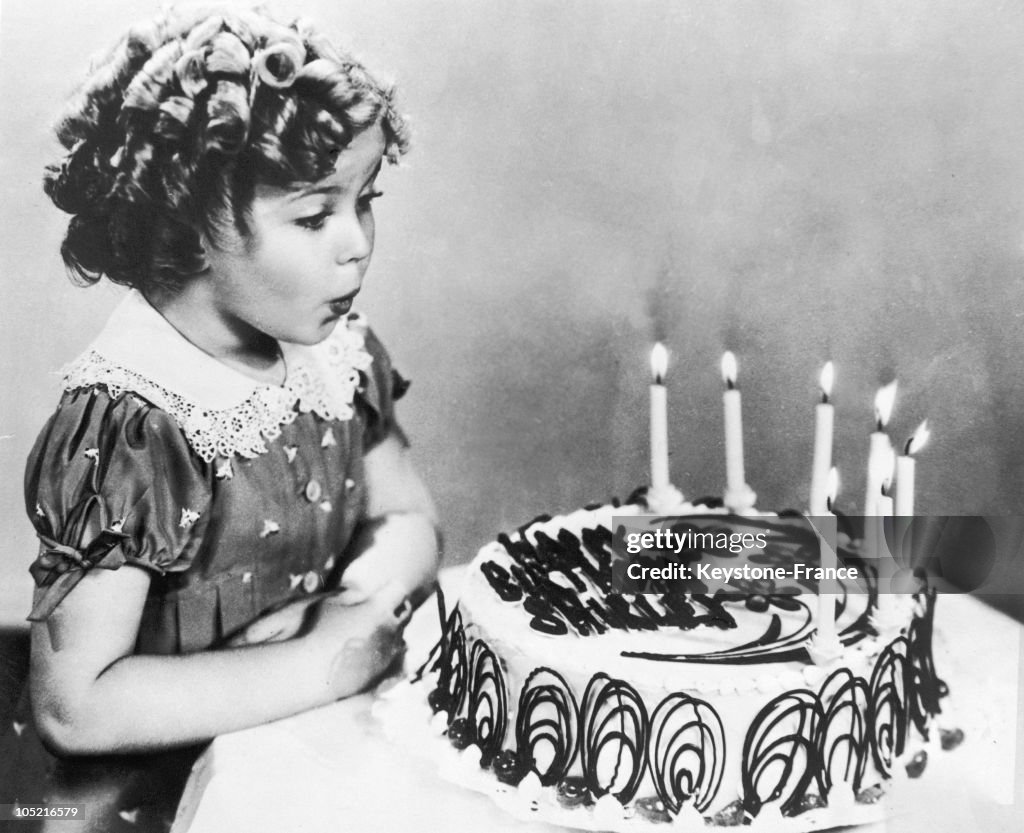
x=231 y=531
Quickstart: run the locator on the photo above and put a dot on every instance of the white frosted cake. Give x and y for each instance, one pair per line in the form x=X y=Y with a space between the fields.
x=599 y=709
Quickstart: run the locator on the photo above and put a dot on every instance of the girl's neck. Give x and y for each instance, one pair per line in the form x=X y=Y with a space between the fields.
x=230 y=341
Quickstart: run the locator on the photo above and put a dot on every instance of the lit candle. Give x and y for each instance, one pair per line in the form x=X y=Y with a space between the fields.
x=884 y=503
x=738 y=495
x=905 y=477
x=823 y=422
x=880 y=451
x=905 y=470
x=882 y=510
x=659 y=419
x=828 y=530
x=733 y=404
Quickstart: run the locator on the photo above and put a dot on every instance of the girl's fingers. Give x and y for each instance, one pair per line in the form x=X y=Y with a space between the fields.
x=403 y=612
x=274 y=627
x=391 y=599
x=394 y=598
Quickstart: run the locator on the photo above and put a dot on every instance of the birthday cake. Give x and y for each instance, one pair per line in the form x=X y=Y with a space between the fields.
x=569 y=700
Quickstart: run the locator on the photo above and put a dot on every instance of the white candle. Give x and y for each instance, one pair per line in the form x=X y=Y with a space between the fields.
x=884 y=504
x=824 y=416
x=880 y=450
x=883 y=509
x=659 y=419
x=905 y=474
x=828 y=530
x=738 y=495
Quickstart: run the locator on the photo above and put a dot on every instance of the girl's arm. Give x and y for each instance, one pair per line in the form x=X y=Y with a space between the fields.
x=398 y=539
x=397 y=542
x=91 y=695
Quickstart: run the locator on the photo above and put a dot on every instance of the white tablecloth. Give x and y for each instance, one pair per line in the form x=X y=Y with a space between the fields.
x=331 y=769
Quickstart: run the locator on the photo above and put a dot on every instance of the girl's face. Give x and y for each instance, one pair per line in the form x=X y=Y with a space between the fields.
x=298 y=270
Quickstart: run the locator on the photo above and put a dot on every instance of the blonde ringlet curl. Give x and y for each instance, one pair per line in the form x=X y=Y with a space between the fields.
x=171 y=131
x=278 y=65
x=191 y=72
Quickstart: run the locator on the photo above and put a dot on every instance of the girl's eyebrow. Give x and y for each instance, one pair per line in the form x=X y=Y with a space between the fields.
x=313 y=190
x=333 y=190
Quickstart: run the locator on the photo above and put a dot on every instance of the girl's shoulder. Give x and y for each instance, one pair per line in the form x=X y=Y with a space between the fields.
x=109 y=481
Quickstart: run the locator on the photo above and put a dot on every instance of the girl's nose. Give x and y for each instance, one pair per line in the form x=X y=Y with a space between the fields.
x=355 y=241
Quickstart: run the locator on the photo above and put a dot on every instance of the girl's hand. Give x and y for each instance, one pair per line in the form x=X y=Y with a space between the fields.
x=362 y=636
x=277 y=626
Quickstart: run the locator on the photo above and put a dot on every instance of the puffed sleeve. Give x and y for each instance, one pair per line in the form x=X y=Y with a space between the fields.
x=384 y=385
x=111 y=482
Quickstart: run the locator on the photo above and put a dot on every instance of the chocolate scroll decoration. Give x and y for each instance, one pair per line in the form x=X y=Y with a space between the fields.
x=686 y=752
x=547 y=725
x=843 y=742
x=614 y=741
x=889 y=708
x=451 y=682
x=488 y=702
x=924 y=688
x=780 y=758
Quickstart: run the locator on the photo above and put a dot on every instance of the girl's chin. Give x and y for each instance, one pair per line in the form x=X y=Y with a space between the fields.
x=310 y=336
x=324 y=330
x=309 y=332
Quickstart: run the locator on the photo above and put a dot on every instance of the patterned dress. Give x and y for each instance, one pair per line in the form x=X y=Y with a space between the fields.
x=235 y=497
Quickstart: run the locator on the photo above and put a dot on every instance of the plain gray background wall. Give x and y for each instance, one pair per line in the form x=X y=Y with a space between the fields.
x=795 y=181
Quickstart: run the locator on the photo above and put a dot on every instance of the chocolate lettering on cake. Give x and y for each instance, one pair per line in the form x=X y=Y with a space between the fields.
x=545 y=619
x=686 y=752
x=501 y=582
x=565 y=583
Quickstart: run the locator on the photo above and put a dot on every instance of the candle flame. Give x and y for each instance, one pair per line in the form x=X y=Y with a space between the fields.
x=919 y=439
x=828 y=375
x=885 y=399
x=832 y=487
x=729 y=368
x=659 y=363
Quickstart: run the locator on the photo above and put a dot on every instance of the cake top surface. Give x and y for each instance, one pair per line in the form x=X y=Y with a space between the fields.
x=551 y=589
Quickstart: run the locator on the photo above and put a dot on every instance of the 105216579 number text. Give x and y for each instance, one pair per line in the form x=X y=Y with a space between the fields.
x=24 y=812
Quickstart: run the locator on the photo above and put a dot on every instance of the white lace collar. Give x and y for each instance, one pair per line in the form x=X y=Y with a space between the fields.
x=220 y=410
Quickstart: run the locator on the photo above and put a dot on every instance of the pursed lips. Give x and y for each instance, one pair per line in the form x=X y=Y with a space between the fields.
x=340 y=306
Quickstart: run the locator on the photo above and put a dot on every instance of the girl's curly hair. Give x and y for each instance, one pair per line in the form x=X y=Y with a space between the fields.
x=174 y=128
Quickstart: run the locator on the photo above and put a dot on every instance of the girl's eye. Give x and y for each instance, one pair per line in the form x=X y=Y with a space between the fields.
x=369 y=197
x=314 y=222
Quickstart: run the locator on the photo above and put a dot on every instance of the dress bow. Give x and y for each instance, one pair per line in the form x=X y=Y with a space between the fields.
x=60 y=567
